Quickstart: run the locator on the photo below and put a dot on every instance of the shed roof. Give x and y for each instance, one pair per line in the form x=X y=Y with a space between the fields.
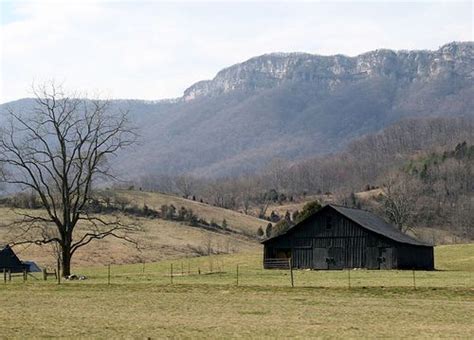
x=366 y=220
x=8 y=258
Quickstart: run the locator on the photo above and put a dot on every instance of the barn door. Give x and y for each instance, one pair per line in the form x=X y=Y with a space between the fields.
x=386 y=258
x=336 y=258
x=320 y=256
x=372 y=258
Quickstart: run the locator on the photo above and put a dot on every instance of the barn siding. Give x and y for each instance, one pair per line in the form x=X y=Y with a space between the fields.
x=343 y=234
x=415 y=257
x=302 y=257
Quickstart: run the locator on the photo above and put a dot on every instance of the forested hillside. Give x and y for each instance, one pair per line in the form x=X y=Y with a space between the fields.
x=424 y=164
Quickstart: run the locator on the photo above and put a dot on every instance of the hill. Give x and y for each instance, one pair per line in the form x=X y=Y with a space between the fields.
x=159 y=239
x=291 y=106
x=236 y=221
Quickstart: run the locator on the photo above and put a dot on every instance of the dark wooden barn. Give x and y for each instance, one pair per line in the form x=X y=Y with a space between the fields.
x=9 y=260
x=338 y=237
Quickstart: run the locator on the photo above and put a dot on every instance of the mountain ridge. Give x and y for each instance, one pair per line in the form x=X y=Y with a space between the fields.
x=295 y=110
x=340 y=65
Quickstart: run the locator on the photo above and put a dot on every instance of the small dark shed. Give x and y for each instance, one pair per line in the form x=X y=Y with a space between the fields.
x=339 y=237
x=9 y=261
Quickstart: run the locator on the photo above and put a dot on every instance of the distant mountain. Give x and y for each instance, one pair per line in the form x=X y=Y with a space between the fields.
x=293 y=106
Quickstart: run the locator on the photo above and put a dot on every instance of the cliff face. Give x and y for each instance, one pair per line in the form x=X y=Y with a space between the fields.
x=327 y=72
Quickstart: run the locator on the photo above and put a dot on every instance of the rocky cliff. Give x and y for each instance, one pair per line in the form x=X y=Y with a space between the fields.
x=271 y=70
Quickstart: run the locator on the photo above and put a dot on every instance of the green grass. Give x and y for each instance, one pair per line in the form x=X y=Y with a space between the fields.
x=142 y=304
x=455 y=266
x=458 y=257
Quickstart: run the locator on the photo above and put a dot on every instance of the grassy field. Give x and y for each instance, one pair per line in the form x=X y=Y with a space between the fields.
x=141 y=302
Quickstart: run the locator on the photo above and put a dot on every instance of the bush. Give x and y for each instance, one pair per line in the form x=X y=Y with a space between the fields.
x=269 y=230
x=308 y=210
x=281 y=227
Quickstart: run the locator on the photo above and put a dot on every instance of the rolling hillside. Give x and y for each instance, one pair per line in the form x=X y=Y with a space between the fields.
x=239 y=222
x=159 y=239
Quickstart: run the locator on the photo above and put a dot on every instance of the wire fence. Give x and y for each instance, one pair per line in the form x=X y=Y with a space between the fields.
x=215 y=270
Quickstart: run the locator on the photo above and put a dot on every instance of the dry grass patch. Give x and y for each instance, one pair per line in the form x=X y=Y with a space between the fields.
x=235 y=220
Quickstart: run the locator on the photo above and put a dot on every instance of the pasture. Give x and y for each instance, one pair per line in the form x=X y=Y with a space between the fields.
x=142 y=302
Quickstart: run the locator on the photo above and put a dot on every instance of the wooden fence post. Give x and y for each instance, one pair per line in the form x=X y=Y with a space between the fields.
x=108 y=274
x=291 y=272
x=349 y=277
x=45 y=276
x=4 y=275
x=237 y=275
x=25 y=275
x=171 y=273
x=414 y=282
x=58 y=273
x=143 y=269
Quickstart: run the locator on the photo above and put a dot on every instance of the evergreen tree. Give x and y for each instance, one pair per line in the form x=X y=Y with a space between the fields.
x=268 y=230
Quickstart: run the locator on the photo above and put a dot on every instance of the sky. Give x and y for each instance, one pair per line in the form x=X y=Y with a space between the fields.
x=154 y=50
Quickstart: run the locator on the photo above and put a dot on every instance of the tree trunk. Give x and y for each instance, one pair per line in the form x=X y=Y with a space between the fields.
x=66 y=260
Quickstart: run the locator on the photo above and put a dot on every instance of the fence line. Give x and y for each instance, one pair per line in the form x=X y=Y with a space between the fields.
x=191 y=271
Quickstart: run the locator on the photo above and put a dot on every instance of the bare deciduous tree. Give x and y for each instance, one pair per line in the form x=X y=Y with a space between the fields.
x=58 y=151
x=186 y=185
x=399 y=202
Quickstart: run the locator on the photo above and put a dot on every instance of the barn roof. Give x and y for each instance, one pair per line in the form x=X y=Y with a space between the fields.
x=376 y=224
x=366 y=220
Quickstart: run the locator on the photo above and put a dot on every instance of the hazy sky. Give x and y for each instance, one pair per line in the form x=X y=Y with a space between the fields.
x=155 y=50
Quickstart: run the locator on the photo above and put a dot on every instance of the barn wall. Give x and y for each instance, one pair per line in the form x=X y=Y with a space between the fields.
x=345 y=245
x=350 y=240
x=415 y=257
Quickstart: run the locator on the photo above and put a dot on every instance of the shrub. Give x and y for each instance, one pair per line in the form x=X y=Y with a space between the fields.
x=269 y=230
x=308 y=210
